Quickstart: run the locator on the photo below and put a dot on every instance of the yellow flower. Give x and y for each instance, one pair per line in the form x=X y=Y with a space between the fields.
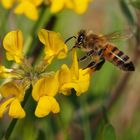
x=43 y=92
x=29 y=8
x=4 y=72
x=79 y=6
x=8 y=3
x=54 y=45
x=13 y=44
x=14 y=94
x=74 y=77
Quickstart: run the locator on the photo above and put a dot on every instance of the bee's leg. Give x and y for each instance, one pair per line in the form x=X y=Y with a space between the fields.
x=83 y=58
x=99 y=65
x=91 y=65
x=86 y=56
x=96 y=65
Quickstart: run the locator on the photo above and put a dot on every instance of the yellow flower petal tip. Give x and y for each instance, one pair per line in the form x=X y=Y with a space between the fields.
x=16 y=110
x=54 y=45
x=13 y=44
x=46 y=105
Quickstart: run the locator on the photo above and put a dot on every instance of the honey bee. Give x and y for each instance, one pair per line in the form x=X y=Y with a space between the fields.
x=99 y=48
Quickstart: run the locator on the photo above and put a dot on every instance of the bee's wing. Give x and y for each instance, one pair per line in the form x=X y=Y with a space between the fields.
x=119 y=35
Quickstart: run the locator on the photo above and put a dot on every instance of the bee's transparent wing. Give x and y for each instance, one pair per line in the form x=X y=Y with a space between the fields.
x=119 y=35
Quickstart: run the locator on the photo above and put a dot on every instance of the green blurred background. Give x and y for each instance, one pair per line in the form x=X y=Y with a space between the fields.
x=83 y=117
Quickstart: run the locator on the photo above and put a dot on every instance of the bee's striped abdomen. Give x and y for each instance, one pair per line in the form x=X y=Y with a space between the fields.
x=118 y=58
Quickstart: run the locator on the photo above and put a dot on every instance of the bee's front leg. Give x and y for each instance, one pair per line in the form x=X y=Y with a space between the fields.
x=86 y=56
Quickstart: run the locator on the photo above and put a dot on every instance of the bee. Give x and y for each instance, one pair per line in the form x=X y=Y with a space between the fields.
x=99 y=48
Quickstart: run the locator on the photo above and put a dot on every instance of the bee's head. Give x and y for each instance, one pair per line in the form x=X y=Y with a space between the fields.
x=81 y=38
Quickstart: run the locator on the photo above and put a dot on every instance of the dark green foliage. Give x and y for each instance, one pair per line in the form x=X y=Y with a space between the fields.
x=136 y=4
x=126 y=10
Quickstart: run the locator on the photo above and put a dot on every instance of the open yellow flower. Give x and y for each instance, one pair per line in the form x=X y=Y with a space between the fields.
x=54 y=45
x=29 y=8
x=8 y=3
x=74 y=77
x=13 y=44
x=13 y=95
x=79 y=6
x=43 y=92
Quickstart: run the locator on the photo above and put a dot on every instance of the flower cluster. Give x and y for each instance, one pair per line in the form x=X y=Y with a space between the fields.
x=32 y=6
x=79 y=6
x=45 y=85
x=27 y=7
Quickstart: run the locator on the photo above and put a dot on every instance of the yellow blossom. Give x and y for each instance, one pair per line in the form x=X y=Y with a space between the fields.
x=31 y=10
x=8 y=3
x=27 y=7
x=13 y=44
x=54 y=45
x=74 y=77
x=4 y=72
x=43 y=92
x=13 y=95
x=79 y=6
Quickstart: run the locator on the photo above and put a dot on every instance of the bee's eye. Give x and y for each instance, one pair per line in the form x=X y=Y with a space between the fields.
x=80 y=39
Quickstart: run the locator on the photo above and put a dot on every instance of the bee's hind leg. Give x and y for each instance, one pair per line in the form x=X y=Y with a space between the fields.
x=96 y=65
x=99 y=64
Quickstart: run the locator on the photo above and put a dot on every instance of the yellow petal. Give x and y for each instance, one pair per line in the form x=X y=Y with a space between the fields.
x=36 y=2
x=16 y=110
x=74 y=66
x=57 y=5
x=30 y=11
x=63 y=53
x=8 y=3
x=84 y=80
x=13 y=44
x=80 y=6
x=54 y=44
x=64 y=75
x=46 y=104
x=45 y=86
x=4 y=106
x=66 y=88
x=4 y=72
x=12 y=89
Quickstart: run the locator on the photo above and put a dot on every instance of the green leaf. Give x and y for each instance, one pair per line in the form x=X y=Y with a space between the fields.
x=136 y=4
x=109 y=132
x=126 y=11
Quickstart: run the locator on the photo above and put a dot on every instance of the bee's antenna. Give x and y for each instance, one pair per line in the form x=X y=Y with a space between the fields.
x=69 y=39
